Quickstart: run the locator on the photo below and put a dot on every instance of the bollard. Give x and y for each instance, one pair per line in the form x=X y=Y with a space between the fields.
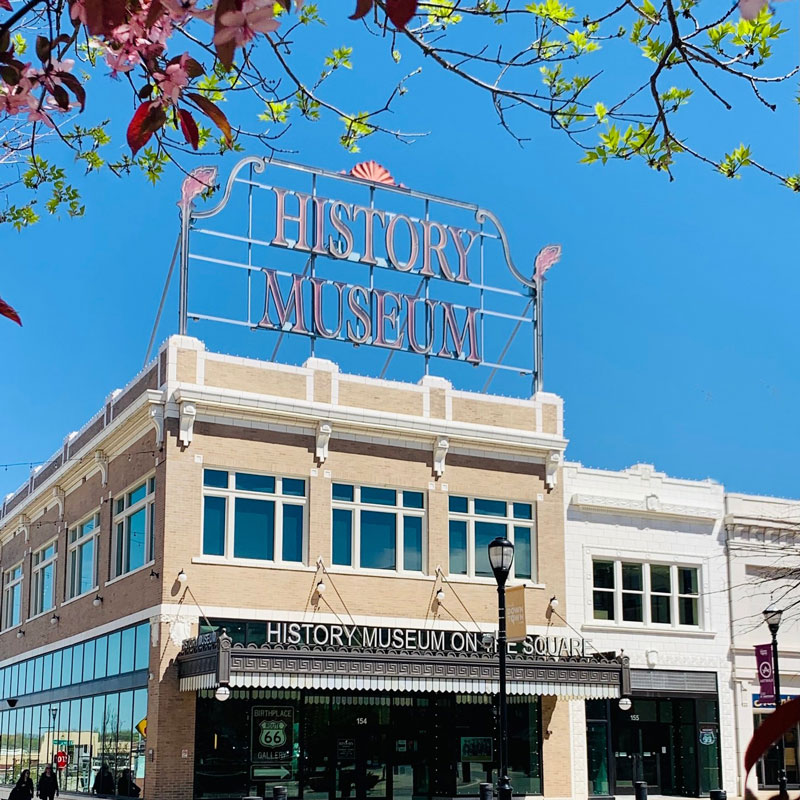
x=718 y=794
x=640 y=790
x=487 y=791
x=279 y=793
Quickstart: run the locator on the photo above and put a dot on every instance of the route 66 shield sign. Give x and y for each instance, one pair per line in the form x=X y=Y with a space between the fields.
x=272 y=734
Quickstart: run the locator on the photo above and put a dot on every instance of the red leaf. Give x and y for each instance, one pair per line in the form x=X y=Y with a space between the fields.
x=401 y=12
x=154 y=14
x=7 y=311
x=213 y=112
x=362 y=8
x=224 y=51
x=74 y=85
x=189 y=128
x=102 y=16
x=5 y=5
x=784 y=718
x=149 y=117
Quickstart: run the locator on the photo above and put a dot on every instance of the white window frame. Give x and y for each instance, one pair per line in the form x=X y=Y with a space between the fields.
x=122 y=515
x=647 y=593
x=12 y=584
x=37 y=571
x=510 y=521
x=74 y=546
x=231 y=493
x=399 y=510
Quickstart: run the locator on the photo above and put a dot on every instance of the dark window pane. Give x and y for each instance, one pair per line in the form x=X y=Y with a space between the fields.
x=343 y=491
x=687 y=580
x=142 y=658
x=214 y=526
x=343 y=536
x=292 y=533
x=127 y=650
x=459 y=504
x=660 y=578
x=246 y=482
x=458 y=547
x=216 y=478
x=254 y=529
x=687 y=610
x=632 y=609
x=485 y=532
x=294 y=487
x=522 y=552
x=412 y=543
x=256 y=633
x=604 y=605
x=382 y=497
x=413 y=500
x=632 y=577
x=660 y=609
x=523 y=511
x=603 y=575
x=378 y=531
x=490 y=508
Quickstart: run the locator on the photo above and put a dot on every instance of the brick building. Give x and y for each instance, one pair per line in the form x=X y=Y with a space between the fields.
x=240 y=573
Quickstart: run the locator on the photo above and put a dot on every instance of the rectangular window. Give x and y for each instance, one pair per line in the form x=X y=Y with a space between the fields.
x=132 y=540
x=475 y=522
x=43 y=580
x=652 y=594
x=378 y=528
x=12 y=596
x=252 y=516
x=82 y=543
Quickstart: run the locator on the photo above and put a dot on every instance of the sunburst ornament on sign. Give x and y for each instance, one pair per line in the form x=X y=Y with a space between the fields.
x=373 y=171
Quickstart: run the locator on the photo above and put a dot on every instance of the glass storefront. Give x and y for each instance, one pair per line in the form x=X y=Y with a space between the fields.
x=769 y=766
x=671 y=744
x=98 y=734
x=329 y=746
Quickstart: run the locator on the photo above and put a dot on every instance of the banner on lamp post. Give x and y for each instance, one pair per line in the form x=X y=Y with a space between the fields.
x=766 y=678
x=517 y=628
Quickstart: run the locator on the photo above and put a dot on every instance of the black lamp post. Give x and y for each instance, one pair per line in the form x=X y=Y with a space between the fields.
x=772 y=616
x=53 y=715
x=501 y=556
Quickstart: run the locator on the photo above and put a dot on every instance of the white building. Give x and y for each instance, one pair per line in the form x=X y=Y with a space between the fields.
x=763 y=544
x=646 y=573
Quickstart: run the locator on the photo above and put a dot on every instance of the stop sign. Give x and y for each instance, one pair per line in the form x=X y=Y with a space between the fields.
x=62 y=759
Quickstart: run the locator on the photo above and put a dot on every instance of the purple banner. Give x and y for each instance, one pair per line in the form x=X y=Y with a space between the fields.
x=765 y=677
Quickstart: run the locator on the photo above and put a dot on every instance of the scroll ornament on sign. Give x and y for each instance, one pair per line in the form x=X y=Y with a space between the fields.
x=197 y=181
x=545 y=259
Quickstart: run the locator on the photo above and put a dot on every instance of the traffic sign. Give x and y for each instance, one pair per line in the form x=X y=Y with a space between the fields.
x=62 y=759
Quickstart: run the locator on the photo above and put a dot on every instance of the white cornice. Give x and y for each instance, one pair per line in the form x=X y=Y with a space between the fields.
x=222 y=402
x=648 y=506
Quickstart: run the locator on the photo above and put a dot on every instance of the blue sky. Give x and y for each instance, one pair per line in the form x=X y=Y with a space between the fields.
x=671 y=323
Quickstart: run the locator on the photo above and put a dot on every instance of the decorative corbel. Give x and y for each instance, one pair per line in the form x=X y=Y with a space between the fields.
x=552 y=464
x=440 y=448
x=25 y=526
x=101 y=459
x=157 y=418
x=324 y=431
x=59 y=495
x=186 y=428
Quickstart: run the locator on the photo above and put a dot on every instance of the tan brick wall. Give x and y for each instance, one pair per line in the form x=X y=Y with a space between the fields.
x=246 y=378
x=379 y=398
x=505 y=415
x=556 y=748
x=549 y=418
x=322 y=387
x=187 y=366
x=438 y=403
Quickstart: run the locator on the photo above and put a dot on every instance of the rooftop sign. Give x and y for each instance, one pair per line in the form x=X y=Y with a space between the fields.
x=358 y=259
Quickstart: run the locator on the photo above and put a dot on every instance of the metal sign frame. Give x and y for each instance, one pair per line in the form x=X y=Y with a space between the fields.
x=245 y=174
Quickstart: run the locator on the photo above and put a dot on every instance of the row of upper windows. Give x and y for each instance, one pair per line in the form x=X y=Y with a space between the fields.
x=104 y=656
x=132 y=546
x=263 y=518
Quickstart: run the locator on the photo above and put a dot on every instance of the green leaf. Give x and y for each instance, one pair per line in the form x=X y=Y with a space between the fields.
x=601 y=111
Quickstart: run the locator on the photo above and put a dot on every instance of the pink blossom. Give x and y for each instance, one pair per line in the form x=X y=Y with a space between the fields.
x=77 y=11
x=240 y=27
x=174 y=79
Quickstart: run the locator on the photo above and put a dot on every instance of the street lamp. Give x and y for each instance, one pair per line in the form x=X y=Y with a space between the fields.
x=772 y=617
x=53 y=715
x=501 y=556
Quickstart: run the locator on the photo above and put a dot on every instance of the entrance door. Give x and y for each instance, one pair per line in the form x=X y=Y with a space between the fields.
x=638 y=750
x=361 y=764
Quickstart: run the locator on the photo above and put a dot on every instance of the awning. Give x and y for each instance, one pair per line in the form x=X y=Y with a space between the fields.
x=211 y=660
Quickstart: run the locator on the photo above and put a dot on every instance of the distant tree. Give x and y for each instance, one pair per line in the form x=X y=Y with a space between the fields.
x=611 y=76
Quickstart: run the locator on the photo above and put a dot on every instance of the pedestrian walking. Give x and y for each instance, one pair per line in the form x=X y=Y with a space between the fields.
x=103 y=781
x=126 y=786
x=24 y=787
x=47 y=787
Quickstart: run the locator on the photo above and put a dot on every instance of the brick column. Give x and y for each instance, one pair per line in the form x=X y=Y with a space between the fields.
x=556 y=748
